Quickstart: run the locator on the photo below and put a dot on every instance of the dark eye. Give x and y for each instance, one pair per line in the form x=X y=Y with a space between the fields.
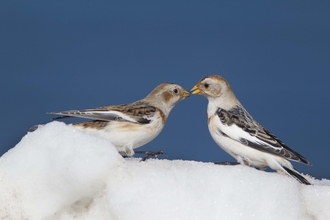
x=206 y=85
x=175 y=91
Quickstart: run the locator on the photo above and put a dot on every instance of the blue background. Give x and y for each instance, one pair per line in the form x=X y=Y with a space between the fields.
x=64 y=55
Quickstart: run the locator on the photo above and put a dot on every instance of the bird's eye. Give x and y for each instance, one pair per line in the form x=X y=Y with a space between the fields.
x=206 y=85
x=175 y=91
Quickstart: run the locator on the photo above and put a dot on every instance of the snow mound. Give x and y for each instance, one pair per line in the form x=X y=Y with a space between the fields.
x=59 y=172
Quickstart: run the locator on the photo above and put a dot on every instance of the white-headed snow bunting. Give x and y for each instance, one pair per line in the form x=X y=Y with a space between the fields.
x=237 y=133
x=129 y=126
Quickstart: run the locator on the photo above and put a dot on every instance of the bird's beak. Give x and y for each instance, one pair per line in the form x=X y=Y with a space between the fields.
x=185 y=94
x=195 y=90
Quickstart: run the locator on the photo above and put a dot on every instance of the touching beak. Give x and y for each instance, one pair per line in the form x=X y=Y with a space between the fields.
x=195 y=90
x=185 y=94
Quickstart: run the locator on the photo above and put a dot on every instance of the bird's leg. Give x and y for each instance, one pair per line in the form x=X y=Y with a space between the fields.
x=243 y=160
x=150 y=153
x=262 y=168
x=124 y=155
x=129 y=152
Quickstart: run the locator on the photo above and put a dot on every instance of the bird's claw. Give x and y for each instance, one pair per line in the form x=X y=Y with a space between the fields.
x=226 y=163
x=150 y=154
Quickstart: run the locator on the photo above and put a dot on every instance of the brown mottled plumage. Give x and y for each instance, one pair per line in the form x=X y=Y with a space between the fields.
x=129 y=126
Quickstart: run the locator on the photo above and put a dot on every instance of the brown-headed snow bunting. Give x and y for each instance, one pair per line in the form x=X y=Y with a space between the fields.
x=129 y=126
x=237 y=133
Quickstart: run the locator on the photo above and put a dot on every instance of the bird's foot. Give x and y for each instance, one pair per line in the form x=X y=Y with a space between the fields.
x=150 y=154
x=226 y=163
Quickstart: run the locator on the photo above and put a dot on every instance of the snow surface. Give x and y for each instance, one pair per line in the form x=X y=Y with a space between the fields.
x=58 y=172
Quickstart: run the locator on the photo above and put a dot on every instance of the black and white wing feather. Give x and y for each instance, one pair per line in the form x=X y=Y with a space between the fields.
x=137 y=113
x=238 y=124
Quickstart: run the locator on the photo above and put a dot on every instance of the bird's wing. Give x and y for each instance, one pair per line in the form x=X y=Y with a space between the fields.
x=237 y=124
x=129 y=113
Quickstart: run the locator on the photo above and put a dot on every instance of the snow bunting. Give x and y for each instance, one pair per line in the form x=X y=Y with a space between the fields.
x=129 y=126
x=237 y=133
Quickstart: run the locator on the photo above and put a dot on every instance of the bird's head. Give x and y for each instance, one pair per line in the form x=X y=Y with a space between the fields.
x=216 y=89
x=211 y=86
x=167 y=95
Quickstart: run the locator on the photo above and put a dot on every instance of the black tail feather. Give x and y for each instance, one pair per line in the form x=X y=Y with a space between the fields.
x=61 y=117
x=297 y=176
x=35 y=127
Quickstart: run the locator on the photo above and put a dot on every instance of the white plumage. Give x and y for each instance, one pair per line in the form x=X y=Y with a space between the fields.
x=237 y=133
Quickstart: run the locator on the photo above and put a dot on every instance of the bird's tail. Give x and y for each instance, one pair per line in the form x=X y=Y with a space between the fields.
x=296 y=175
x=35 y=127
